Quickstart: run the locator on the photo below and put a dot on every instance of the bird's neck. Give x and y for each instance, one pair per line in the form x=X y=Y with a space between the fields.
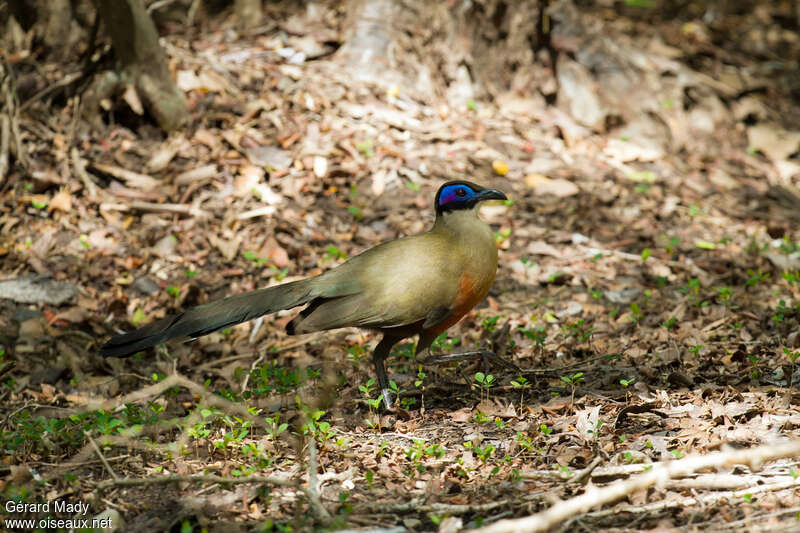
x=460 y=223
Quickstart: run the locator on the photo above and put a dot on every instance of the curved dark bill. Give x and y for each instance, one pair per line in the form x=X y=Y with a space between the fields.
x=491 y=194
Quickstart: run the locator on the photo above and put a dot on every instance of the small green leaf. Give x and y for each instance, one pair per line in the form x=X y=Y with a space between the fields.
x=705 y=245
x=138 y=317
x=356 y=212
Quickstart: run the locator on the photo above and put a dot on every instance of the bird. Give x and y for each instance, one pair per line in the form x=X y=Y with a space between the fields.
x=419 y=285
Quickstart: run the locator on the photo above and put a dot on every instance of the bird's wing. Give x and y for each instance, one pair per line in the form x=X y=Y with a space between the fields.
x=437 y=316
x=401 y=282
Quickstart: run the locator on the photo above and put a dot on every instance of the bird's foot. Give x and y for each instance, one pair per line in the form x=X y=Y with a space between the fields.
x=387 y=399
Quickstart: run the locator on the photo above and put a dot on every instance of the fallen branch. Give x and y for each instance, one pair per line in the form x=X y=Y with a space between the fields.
x=706 y=500
x=197 y=478
x=418 y=505
x=659 y=475
x=693 y=481
x=131 y=179
x=177 y=209
x=584 y=475
x=196 y=174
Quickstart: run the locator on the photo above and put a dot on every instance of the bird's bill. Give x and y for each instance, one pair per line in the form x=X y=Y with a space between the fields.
x=491 y=194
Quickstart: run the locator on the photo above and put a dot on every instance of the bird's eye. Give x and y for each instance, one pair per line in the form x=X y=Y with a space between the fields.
x=461 y=193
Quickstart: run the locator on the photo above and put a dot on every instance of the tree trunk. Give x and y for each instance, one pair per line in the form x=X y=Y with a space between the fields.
x=143 y=62
x=368 y=35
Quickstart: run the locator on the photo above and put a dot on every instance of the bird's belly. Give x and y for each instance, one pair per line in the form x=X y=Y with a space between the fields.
x=471 y=290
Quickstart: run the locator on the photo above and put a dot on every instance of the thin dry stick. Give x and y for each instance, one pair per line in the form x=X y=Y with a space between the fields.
x=706 y=500
x=314 y=500
x=697 y=481
x=223 y=360
x=103 y=458
x=418 y=505
x=11 y=365
x=762 y=517
x=11 y=113
x=246 y=379
x=5 y=135
x=63 y=82
x=584 y=475
x=660 y=474
x=79 y=168
x=198 y=478
x=173 y=380
x=177 y=209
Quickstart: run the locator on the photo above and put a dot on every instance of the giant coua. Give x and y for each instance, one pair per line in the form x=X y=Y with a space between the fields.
x=418 y=285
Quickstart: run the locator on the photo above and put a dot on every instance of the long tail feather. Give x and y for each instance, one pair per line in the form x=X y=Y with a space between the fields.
x=204 y=319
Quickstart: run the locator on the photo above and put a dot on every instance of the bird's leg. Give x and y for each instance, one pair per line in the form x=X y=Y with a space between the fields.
x=380 y=353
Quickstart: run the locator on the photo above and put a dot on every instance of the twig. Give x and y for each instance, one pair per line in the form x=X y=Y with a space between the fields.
x=73 y=125
x=159 y=4
x=711 y=499
x=583 y=475
x=762 y=517
x=199 y=478
x=660 y=474
x=173 y=380
x=62 y=82
x=11 y=111
x=252 y=368
x=193 y=9
x=707 y=481
x=216 y=362
x=195 y=175
x=257 y=323
x=418 y=505
x=312 y=493
x=178 y=209
x=131 y=178
x=571 y=366
x=724 y=482
x=5 y=134
x=11 y=365
x=265 y=211
x=83 y=463
x=79 y=168
x=12 y=413
x=103 y=458
x=19 y=151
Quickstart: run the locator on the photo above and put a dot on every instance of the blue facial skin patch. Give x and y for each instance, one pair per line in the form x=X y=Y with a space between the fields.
x=449 y=194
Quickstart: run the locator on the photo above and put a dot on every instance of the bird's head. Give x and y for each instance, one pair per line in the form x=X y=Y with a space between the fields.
x=457 y=195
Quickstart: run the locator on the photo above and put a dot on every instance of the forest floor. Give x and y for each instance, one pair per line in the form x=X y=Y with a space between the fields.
x=648 y=288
